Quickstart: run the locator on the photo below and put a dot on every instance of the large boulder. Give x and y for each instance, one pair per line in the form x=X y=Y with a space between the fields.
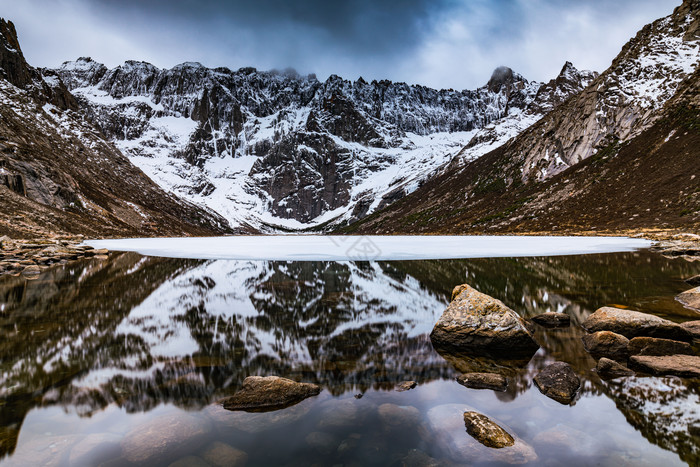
x=477 y=323
x=606 y=344
x=654 y=346
x=631 y=324
x=262 y=394
x=690 y=298
x=559 y=382
x=686 y=366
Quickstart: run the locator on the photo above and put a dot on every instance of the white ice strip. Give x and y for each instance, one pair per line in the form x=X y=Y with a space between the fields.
x=358 y=248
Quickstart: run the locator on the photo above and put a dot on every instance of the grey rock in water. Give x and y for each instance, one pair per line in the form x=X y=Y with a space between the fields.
x=551 y=319
x=260 y=394
x=487 y=432
x=690 y=298
x=606 y=344
x=483 y=325
x=631 y=324
x=686 y=366
x=559 y=382
x=657 y=347
x=610 y=369
x=492 y=381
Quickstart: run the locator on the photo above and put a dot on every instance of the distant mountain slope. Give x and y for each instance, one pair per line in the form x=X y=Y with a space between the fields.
x=279 y=150
x=59 y=174
x=623 y=153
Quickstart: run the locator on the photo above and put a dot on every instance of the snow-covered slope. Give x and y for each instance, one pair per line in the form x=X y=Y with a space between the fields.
x=279 y=150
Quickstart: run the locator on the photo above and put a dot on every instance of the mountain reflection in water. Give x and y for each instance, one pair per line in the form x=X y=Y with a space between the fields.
x=138 y=332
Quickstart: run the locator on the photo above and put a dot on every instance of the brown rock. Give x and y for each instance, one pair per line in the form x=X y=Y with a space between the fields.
x=693 y=327
x=694 y=281
x=690 y=298
x=261 y=394
x=482 y=324
x=687 y=366
x=631 y=324
x=447 y=424
x=654 y=346
x=223 y=455
x=609 y=369
x=405 y=386
x=492 y=381
x=559 y=382
x=606 y=344
x=488 y=433
x=551 y=319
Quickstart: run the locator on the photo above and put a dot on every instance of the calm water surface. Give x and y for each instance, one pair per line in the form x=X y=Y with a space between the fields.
x=104 y=362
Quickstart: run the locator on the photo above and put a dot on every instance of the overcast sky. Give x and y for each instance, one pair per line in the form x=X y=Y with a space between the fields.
x=438 y=43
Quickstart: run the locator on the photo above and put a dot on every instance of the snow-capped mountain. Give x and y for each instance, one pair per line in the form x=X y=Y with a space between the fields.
x=622 y=153
x=58 y=173
x=275 y=149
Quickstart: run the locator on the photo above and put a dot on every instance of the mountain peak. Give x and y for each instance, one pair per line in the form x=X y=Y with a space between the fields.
x=13 y=67
x=501 y=76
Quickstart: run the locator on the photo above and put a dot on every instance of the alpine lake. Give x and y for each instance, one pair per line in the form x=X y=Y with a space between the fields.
x=123 y=361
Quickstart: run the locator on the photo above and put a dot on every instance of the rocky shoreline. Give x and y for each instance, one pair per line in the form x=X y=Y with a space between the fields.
x=29 y=258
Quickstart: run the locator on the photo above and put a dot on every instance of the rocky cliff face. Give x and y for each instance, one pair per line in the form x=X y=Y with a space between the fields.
x=275 y=149
x=58 y=174
x=620 y=154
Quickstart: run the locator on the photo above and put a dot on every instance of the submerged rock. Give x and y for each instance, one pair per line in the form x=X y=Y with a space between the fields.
x=690 y=298
x=260 y=394
x=483 y=325
x=609 y=369
x=322 y=442
x=222 y=455
x=485 y=431
x=606 y=344
x=551 y=319
x=166 y=437
x=559 y=382
x=693 y=327
x=396 y=416
x=563 y=437
x=657 y=347
x=694 y=281
x=687 y=366
x=492 y=381
x=416 y=458
x=447 y=424
x=631 y=324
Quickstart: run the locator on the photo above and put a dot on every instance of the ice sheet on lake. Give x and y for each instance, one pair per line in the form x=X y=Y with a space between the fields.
x=368 y=248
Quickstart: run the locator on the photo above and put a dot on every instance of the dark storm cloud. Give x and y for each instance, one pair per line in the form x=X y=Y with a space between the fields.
x=440 y=43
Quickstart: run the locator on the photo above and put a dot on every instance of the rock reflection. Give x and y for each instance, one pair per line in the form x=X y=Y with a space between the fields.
x=139 y=332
